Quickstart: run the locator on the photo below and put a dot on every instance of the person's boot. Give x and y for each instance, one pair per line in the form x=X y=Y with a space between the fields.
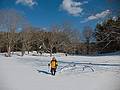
x=51 y=72
x=54 y=73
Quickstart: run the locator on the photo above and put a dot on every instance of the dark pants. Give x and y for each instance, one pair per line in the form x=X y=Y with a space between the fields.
x=53 y=71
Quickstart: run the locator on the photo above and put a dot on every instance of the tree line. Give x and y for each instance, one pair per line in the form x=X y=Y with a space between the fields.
x=108 y=35
x=17 y=34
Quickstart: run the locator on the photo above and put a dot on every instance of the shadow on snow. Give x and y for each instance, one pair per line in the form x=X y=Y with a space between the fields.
x=45 y=72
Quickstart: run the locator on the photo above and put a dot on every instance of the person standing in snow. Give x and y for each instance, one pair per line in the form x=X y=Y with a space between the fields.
x=53 y=65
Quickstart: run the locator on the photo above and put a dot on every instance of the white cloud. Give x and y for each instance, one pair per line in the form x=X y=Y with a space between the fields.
x=29 y=3
x=97 y=16
x=114 y=18
x=72 y=7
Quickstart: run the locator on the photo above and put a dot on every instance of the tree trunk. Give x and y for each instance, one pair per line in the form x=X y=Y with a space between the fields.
x=28 y=51
x=51 y=52
x=88 y=42
x=9 y=51
x=23 y=50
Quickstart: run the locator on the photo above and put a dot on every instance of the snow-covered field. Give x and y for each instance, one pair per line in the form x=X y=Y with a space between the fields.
x=73 y=73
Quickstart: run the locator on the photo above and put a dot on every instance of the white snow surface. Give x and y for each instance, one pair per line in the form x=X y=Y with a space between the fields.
x=73 y=73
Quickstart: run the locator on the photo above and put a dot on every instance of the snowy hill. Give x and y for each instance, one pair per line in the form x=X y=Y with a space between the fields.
x=73 y=73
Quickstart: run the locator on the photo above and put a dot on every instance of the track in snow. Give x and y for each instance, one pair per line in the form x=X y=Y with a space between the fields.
x=70 y=67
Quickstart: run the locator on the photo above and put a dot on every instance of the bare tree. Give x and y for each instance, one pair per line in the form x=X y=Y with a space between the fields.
x=10 y=22
x=62 y=36
x=38 y=36
x=53 y=37
x=26 y=39
x=72 y=37
x=87 y=34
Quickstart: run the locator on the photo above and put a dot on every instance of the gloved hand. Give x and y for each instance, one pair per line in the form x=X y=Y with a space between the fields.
x=49 y=64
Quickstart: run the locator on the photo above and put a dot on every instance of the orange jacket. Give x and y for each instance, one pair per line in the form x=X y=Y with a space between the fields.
x=53 y=63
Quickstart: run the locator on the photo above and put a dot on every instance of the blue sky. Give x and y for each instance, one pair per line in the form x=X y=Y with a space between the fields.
x=79 y=13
